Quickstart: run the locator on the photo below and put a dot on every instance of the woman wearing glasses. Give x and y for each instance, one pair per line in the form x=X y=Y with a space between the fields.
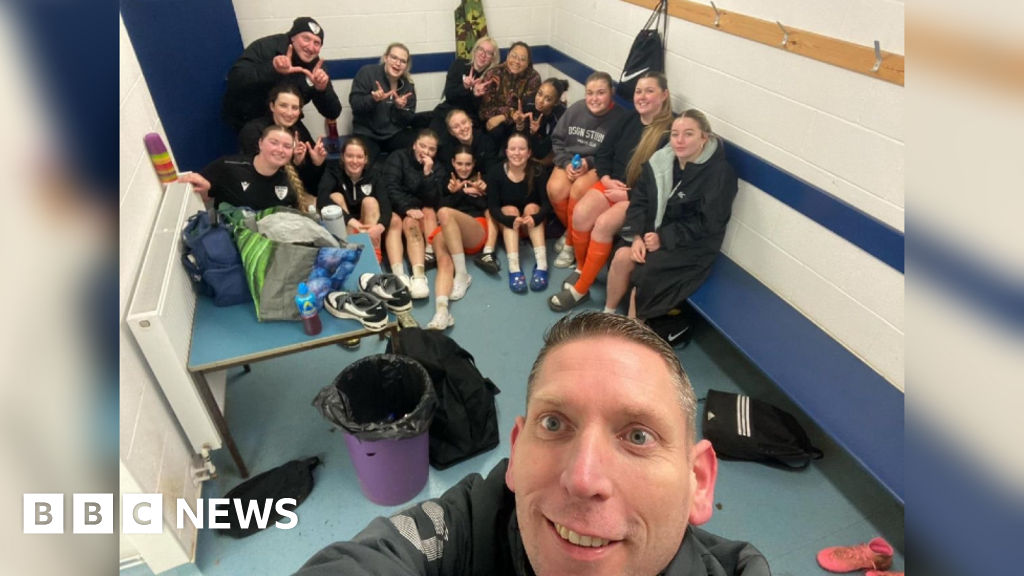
x=383 y=100
x=462 y=77
x=503 y=89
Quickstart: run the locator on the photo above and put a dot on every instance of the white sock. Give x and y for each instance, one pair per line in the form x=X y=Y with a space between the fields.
x=608 y=310
x=430 y=248
x=460 y=265
x=513 y=262
x=575 y=294
x=440 y=301
x=541 y=253
x=419 y=271
x=398 y=269
x=488 y=249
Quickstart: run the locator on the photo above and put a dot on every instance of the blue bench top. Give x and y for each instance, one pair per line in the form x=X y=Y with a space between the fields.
x=851 y=402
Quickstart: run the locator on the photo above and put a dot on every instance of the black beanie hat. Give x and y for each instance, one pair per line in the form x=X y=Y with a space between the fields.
x=306 y=24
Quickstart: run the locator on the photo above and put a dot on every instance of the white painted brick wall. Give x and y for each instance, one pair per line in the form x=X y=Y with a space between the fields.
x=360 y=29
x=839 y=130
x=152 y=446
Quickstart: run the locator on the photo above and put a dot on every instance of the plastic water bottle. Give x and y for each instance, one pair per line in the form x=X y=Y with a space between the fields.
x=577 y=162
x=306 y=301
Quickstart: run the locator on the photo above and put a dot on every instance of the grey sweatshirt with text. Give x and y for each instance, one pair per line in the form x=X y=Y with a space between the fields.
x=579 y=131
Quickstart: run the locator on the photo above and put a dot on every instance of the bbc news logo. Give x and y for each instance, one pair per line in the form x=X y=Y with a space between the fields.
x=144 y=513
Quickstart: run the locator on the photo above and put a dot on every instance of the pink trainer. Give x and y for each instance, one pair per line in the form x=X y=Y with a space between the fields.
x=875 y=555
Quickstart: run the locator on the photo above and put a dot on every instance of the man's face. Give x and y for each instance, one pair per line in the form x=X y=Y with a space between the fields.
x=307 y=46
x=603 y=466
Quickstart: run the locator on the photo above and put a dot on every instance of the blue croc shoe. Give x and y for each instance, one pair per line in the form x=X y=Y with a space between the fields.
x=539 y=280
x=517 y=282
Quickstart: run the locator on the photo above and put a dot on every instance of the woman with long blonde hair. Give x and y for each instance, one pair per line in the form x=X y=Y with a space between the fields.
x=463 y=76
x=597 y=217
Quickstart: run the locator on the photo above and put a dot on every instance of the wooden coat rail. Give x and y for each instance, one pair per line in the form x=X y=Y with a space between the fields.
x=854 y=57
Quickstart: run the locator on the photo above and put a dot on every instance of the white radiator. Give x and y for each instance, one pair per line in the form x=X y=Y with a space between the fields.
x=160 y=317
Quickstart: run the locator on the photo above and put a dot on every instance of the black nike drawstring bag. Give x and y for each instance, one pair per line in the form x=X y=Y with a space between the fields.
x=742 y=428
x=647 y=53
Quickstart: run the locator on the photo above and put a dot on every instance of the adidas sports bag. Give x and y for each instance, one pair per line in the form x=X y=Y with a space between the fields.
x=742 y=428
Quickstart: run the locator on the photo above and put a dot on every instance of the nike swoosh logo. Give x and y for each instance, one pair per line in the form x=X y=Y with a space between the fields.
x=634 y=75
x=672 y=337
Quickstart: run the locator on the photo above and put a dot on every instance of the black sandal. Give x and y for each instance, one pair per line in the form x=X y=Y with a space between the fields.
x=488 y=263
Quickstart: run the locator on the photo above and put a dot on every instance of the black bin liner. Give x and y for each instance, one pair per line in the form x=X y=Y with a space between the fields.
x=380 y=397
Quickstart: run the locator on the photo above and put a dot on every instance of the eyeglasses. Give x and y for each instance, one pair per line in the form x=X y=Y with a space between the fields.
x=485 y=51
x=518 y=58
x=397 y=60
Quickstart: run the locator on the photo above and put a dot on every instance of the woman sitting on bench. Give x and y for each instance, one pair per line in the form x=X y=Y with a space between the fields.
x=676 y=221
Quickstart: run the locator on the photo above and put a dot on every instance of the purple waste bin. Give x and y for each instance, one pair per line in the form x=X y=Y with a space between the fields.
x=390 y=471
x=385 y=404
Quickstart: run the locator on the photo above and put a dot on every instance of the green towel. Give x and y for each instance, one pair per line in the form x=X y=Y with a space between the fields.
x=470 y=24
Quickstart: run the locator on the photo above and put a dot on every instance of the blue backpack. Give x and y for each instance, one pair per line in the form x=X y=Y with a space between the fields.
x=213 y=262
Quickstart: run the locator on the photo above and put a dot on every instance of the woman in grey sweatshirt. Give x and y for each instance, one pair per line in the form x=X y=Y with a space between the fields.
x=580 y=131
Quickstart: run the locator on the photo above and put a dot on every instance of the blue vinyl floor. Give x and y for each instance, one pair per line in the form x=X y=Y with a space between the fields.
x=788 y=515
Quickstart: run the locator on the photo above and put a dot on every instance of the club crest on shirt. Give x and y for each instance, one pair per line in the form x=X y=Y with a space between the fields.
x=314 y=27
x=281 y=192
x=245 y=186
x=366 y=189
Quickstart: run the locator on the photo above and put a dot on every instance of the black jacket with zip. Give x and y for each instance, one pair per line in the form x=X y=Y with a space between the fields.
x=370 y=185
x=253 y=76
x=408 y=188
x=472 y=530
x=379 y=120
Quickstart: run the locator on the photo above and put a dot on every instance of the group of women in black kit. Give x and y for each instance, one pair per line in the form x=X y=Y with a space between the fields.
x=503 y=153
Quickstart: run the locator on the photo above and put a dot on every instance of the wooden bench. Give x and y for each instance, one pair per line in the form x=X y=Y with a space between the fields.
x=849 y=401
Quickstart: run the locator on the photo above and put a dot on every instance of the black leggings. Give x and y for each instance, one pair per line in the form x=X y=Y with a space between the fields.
x=401 y=140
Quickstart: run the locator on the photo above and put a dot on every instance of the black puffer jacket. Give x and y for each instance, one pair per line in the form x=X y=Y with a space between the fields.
x=253 y=76
x=408 y=188
x=472 y=530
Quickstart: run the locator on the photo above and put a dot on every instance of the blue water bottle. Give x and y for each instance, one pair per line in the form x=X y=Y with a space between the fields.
x=306 y=301
x=577 y=162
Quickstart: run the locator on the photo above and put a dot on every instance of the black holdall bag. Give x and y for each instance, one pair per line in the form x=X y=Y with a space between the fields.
x=742 y=428
x=466 y=420
x=647 y=53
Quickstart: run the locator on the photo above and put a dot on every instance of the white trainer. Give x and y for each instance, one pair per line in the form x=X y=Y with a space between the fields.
x=419 y=289
x=566 y=257
x=459 y=289
x=560 y=243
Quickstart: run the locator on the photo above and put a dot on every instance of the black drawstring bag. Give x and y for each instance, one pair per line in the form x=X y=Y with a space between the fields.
x=647 y=53
x=742 y=428
x=291 y=480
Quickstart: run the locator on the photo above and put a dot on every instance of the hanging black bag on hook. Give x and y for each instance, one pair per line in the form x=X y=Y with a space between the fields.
x=647 y=53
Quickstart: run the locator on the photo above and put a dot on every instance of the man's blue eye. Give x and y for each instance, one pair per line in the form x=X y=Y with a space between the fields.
x=639 y=437
x=551 y=424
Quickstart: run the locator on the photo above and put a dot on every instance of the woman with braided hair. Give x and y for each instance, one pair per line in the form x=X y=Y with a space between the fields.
x=259 y=182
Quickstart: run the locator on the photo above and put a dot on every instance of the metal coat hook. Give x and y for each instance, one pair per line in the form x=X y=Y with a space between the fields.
x=718 y=15
x=785 y=33
x=878 y=57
